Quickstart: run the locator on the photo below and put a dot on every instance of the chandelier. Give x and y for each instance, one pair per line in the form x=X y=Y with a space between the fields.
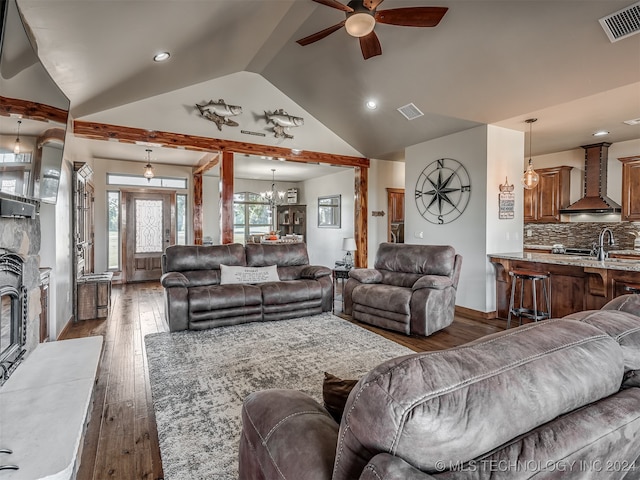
x=273 y=197
x=148 y=169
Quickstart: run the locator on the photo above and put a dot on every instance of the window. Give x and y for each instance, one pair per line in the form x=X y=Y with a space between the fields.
x=140 y=181
x=113 y=230
x=181 y=219
x=251 y=216
x=329 y=211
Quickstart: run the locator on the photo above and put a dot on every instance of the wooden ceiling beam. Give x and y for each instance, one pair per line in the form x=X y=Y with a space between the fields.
x=102 y=131
x=32 y=110
x=208 y=165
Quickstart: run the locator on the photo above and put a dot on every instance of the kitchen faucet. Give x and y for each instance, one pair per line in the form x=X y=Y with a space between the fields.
x=602 y=255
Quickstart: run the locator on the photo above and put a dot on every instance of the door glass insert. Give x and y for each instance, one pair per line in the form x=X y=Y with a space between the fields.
x=148 y=226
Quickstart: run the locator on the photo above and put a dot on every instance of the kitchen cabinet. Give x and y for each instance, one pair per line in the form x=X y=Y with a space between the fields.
x=543 y=203
x=292 y=220
x=630 y=188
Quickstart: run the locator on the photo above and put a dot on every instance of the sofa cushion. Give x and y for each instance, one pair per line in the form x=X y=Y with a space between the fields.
x=280 y=254
x=624 y=328
x=252 y=275
x=625 y=303
x=335 y=392
x=417 y=259
x=220 y=297
x=180 y=258
x=468 y=400
x=383 y=297
x=293 y=291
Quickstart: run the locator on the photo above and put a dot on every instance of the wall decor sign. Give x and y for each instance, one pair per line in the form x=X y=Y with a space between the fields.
x=443 y=190
x=506 y=201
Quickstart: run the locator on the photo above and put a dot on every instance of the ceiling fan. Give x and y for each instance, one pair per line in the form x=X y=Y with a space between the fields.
x=361 y=18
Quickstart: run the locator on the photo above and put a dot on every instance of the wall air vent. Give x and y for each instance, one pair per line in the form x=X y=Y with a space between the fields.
x=623 y=23
x=410 y=111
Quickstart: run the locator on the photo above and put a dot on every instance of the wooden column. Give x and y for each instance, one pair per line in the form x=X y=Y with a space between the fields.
x=198 y=216
x=226 y=198
x=360 y=215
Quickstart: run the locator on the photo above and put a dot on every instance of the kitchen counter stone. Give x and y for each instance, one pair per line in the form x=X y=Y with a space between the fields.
x=626 y=264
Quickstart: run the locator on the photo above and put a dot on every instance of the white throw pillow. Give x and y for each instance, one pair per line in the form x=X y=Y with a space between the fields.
x=232 y=274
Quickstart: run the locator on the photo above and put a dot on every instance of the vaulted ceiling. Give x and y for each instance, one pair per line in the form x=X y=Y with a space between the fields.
x=497 y=62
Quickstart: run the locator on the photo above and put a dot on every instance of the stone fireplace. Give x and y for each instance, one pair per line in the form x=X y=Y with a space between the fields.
x=19 y=291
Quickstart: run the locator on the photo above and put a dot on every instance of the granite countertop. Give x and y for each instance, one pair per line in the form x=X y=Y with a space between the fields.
x=575 y=260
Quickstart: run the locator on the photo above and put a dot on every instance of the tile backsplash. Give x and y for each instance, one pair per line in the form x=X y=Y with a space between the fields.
x=580 y=234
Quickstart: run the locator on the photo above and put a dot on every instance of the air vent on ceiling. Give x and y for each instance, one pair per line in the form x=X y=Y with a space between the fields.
x=633 y=121
x=410 y=111
x=623 y=23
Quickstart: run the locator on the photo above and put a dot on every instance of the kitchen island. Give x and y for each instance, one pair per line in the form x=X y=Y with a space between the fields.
x=577 y=282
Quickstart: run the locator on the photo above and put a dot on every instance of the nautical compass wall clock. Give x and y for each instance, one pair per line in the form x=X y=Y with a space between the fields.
x=443 y=190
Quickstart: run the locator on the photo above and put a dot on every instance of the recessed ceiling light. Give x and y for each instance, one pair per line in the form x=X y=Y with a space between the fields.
x=633 y=121
x=371 y=104
x=161 y=56
x=600 y=133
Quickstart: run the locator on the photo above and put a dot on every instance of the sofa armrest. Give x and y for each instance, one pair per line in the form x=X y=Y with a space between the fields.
x=286 y=434
x=366 y=275
x=314 y=271
x=438 y=282
x=385 y=466
x=174 y=279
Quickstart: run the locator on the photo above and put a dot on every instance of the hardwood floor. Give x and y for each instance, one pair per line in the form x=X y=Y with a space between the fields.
x=121 y=440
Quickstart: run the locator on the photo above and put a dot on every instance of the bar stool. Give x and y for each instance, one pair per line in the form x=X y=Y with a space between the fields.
x=521 y=276
x=632 y=287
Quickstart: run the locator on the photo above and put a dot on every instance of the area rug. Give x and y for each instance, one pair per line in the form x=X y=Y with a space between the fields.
x=200 y=378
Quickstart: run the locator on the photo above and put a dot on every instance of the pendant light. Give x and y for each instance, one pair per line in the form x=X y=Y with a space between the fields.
x=148 y=169
x=16 y=147
x=530 y=178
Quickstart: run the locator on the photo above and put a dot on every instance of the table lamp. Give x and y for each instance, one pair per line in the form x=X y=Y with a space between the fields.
x=349 y=245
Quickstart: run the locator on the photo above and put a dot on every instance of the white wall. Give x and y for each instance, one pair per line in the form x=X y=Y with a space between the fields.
x=325 y=244
x=56 y=252
x=489 y=154
x=383 y=174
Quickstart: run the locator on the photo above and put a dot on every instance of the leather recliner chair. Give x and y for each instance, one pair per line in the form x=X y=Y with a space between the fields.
x=411 y=289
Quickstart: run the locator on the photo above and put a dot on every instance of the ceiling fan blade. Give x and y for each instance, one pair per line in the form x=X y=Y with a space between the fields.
x=412 y=16
x=335 y=4
x=320 y=35
x=372 y=4
x=370 y=45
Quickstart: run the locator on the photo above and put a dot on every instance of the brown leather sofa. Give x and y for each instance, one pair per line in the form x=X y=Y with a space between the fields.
x=554 y=399
x=195 y=299
x=411 y=289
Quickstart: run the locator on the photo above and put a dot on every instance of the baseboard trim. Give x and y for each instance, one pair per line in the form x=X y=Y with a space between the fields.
x=474 y=314
x=67 y=327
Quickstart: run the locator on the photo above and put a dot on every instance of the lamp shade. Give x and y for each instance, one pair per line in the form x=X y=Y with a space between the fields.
x=349 y=244
x=360 y=24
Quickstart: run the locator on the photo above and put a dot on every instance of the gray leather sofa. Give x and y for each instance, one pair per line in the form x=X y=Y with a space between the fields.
x=553 y=399
x=195 y=299
x=411 y=289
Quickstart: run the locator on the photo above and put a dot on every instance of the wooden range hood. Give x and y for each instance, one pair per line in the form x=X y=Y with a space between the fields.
x=595 y=198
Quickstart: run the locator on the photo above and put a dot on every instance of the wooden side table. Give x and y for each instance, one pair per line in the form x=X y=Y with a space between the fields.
x=342 y=274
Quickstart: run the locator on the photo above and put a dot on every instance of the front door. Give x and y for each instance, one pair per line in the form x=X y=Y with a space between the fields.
x=149 y=230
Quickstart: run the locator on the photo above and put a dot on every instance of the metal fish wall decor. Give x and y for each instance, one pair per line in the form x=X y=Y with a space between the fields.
x=282 y=121
x=218 y=112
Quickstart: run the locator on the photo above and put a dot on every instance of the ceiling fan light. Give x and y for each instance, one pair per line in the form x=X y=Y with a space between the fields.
x=360 y=24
